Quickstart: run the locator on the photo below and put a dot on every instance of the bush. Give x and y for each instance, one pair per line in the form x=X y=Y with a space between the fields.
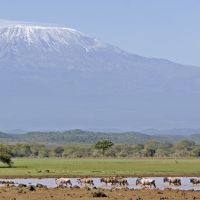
x=5 y=156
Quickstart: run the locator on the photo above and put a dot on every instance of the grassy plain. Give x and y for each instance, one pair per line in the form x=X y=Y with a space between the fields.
x=54 y=167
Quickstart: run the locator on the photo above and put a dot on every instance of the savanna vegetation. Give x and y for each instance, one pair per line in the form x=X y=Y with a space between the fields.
x=145 y=156
x=105 y=148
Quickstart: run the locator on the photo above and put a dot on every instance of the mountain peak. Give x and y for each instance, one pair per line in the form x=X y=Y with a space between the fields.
x=24 y=44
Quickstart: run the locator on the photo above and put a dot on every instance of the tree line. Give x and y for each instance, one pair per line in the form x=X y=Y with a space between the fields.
x=105 y=148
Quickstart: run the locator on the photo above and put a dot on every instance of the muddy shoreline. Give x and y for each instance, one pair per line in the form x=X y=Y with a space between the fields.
x=15 y=193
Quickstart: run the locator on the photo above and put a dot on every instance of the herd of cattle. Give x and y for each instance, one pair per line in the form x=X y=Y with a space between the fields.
x=120 y=181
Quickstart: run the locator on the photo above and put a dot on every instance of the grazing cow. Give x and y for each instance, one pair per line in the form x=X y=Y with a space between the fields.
x=115 y=181
x=119 y=181
x=123 y=182
x=63 y=182
x=146 y=181
x=195 y=181
x=172 y=180
x=106 y=180
x=103 y=180
x=86 y=181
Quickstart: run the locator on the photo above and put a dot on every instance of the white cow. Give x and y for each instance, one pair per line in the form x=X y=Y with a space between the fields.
x=63 y=182
x=86 y=181
x=146 y=181
x=172 y=180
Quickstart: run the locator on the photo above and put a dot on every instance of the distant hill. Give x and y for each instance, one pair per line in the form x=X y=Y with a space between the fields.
x=195 y=137
x=176 y=131
x=79 y=136
x=89 y=137
x=4 y=135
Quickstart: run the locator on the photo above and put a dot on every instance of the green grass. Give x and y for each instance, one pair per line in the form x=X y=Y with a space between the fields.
x=29 y=167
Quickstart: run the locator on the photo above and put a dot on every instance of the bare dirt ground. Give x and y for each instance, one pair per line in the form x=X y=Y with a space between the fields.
x=87 y=194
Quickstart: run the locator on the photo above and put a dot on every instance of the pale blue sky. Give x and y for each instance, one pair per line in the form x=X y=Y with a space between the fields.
x=155 y=28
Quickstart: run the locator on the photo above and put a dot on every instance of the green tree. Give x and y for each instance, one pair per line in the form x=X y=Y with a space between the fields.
x=58 y=151
x=138 y=149
x=164 y=150
x=185 y=145
x=151 y=144
x=196 y=151
x=103 y=145
x=184 y=148
x=149 y=152
x=5 y=156
x=150 y=148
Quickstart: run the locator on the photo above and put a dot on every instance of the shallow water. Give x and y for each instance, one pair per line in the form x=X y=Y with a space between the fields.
x=50 y=182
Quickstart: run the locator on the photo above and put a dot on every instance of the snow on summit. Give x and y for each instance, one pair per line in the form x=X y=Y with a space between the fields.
x=23 y=44
x=31 y=46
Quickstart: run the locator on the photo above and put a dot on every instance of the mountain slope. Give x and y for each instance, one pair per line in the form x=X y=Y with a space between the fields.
x=59 y=78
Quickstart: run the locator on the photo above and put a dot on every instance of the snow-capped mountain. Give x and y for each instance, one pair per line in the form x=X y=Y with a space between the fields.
x=59 y=78
x=23 y=45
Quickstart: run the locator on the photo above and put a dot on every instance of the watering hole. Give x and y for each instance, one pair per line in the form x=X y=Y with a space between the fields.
x=50 y=182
